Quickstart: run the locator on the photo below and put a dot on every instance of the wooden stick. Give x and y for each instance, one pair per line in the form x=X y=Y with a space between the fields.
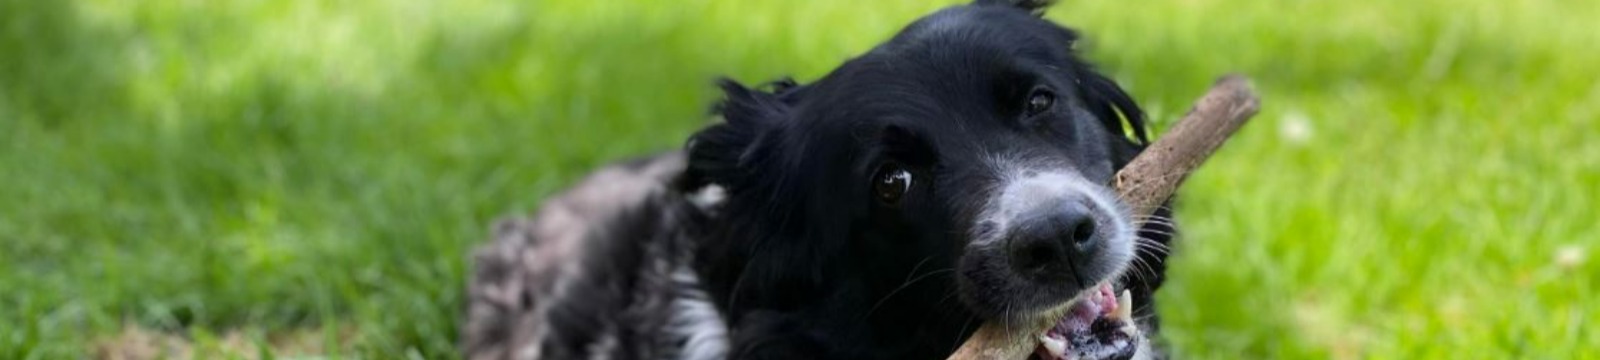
x=1144 y=185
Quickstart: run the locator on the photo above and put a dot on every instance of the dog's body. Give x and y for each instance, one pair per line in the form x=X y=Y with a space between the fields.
x=953 y=175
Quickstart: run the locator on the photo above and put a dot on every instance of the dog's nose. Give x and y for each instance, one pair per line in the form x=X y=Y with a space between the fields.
x=1056 y=243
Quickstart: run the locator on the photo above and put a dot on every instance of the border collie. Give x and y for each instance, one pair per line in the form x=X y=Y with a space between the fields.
x=955 y=174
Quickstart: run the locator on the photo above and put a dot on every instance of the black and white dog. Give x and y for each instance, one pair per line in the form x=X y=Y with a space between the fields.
x=952 y=175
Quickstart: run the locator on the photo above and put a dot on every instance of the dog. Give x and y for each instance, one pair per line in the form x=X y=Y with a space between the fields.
x=955 y=174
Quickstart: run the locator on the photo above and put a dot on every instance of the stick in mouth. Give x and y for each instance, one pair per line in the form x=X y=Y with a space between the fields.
x=1092 y=325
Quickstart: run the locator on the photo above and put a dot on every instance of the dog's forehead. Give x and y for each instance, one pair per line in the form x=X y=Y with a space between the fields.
x=958 y=63
x=942 y=78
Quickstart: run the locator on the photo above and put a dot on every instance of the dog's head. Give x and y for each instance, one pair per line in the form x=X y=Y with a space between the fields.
x=974 y=142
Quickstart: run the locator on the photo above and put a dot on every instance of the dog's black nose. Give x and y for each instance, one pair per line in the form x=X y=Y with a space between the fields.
x=1056 y=243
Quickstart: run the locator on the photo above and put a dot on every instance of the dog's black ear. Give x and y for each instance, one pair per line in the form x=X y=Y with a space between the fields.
x=719 y=154
x=1036 y=7
x=1112 y=105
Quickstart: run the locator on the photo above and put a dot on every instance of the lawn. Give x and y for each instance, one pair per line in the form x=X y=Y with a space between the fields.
x=305 y=178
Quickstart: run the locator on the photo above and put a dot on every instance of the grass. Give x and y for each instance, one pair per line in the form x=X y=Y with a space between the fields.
x=1421 y=184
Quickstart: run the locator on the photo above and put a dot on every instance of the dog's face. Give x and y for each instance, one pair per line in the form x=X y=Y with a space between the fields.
x=974 y=142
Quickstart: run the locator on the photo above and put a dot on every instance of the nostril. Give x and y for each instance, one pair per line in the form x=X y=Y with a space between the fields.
x=1039 y=255
x=1036 y=255
x=1083 y=233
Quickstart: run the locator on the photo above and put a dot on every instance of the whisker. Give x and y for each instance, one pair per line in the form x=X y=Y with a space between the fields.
x=1153 y=252
x=1148 y=269
x=918 y=266
x=960 y=340
x=1147 y=251
x=1133 y=269
x=1144 y=223
x=1152 y=243
x=903 y=286
x=1149 y=274
x=1136 y=266
x=1154 y=246
x=1155 y=220
x=1159 y=232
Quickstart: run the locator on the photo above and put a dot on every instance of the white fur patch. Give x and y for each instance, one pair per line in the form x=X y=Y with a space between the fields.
x=1025 y=188
x=708 y=197
x=697 y=320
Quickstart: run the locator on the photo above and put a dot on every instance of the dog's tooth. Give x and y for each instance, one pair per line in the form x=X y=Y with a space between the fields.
x=1057 y=347
x=1124 y=306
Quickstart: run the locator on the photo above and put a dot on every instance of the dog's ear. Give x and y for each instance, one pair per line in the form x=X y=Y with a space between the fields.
x=1114 y=107
x=719 y=154
x=1036 y=7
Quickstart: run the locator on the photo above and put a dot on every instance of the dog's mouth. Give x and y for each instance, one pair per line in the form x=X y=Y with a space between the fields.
x=1098 y=325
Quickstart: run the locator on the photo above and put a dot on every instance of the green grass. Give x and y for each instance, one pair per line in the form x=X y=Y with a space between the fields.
x=271 y=167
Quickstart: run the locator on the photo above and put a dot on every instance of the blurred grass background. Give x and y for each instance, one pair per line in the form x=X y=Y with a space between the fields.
x=304 y=178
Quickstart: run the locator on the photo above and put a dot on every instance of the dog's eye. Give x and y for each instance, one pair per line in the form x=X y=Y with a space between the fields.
x=1040 y=100
x=891 y=183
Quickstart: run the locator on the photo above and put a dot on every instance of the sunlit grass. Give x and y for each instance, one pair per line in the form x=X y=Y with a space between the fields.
x=1416 y=186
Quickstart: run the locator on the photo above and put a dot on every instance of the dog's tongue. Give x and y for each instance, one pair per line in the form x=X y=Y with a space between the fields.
x=1097 y=304
x=1088 y=330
